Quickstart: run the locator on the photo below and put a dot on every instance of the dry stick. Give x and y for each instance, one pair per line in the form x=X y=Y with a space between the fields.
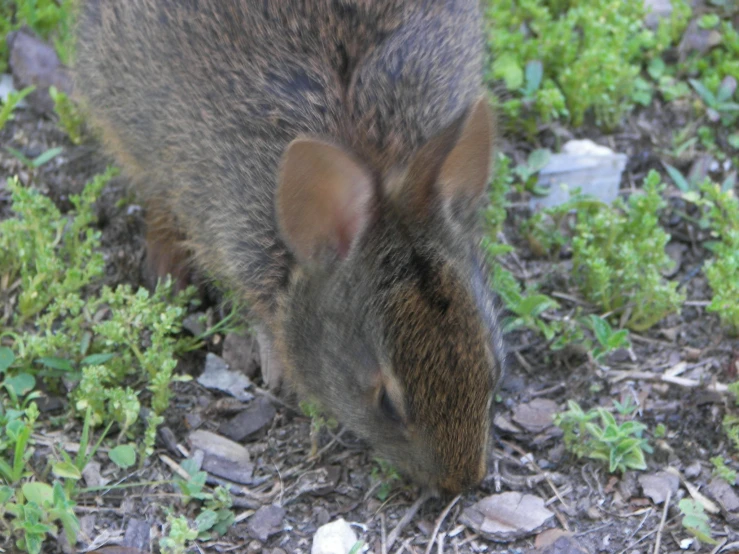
x=439 y=521
x=406 y=519
x=726 y=547
x=658 y=540
x=383 y=534
x=652 y=532
x=720 y=546
x=538 y=470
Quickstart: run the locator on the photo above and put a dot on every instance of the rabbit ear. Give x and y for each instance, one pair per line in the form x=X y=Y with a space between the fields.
x=453 y=166
x=323 y=199
x=465 y=172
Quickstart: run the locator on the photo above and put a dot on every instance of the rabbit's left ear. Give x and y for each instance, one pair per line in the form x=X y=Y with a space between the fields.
x=451 y=169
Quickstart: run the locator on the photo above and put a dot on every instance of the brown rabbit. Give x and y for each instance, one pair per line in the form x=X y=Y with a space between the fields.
x=326 y=160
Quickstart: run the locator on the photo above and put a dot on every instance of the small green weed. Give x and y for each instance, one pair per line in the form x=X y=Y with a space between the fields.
x=38 y=161
x=180 y=535
x=496 y=211
x=14 y=98
x=70 y=118
x=318 y=421
x=722 y=470
x=719 y=105
x=619 y=254
x=608 y=338
x=695 y=520
x=621 y=446
x=386 y=476
x=722 y=212
x=216 y=515
x=66 y=325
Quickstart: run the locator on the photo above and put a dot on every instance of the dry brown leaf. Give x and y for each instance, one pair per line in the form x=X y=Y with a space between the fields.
x=507 y=516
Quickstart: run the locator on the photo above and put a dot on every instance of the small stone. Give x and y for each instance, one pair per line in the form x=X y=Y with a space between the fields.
x=724 y=494
x=223 y=457
x=193 y=324
x=336 y=537
x=87 y=525
x=657 y=10
x=138 y=534
x=217 y=375
x=692 y=354
x=257 y=416
x=594 y=169
x=535 y=416
x=92 y=475
x=693 y=470
x=241 y=353
x=167 y=436
x=267 y=521
x=33 y=62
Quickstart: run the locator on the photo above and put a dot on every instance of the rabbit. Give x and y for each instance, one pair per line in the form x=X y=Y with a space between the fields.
x=326 y=161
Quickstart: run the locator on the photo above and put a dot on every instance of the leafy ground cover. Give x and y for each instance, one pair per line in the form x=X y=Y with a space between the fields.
x=620 y=410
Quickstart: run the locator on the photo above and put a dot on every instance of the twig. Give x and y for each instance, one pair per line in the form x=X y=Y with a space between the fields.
x=439 y=521
x=658 y=540
x=633 y=544
x=720 y=546
x=383 y=534
x=406 y=519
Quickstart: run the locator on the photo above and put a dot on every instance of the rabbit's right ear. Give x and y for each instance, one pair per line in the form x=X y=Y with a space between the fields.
x=323 y=199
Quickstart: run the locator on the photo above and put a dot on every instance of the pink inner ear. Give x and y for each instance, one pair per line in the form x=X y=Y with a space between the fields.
x=323 y=198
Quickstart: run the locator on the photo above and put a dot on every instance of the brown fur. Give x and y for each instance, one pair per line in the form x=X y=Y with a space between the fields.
x=365 y=267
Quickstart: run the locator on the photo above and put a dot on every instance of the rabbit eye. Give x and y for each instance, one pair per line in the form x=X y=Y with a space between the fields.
x=387 y=408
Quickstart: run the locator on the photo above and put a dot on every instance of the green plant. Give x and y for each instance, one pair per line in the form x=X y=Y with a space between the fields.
x=500 y=185
x=695 y=520
x=618 y=257
x=608 y=338
x=38 y=161
x=357 y=548
x=70 y=118
x=216 y=515
x=585 y=66
x=386 y=476
x=13 y=99
x=621 y=446
x=719 y=106
x=318 y=421
x=180 y=534
x=722 y=271
x=722 y=470
x=527 y=308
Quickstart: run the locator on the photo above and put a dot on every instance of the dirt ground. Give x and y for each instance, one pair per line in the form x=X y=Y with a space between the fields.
x=289 y=495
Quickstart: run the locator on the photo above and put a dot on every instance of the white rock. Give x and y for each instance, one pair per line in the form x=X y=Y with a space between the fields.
x=594 y=169
x=336 y=537
x=585 y=147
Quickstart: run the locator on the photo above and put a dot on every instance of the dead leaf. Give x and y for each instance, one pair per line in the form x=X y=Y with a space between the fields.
x=724 y=494
x=549 y=537
x=658 y=485
x=507 y=516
